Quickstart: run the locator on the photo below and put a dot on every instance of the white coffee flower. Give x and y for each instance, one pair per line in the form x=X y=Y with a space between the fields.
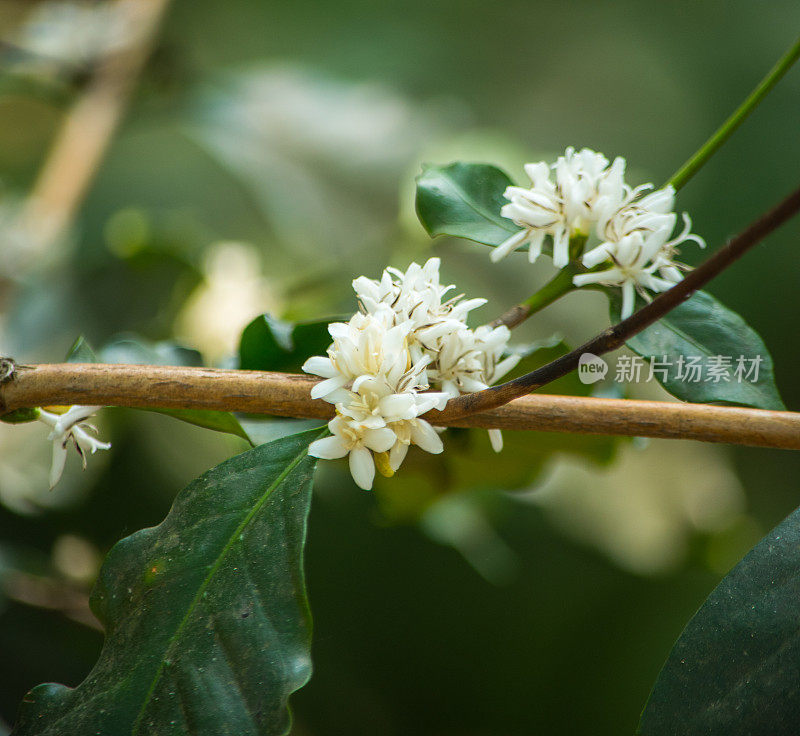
x=71 y=426
x=589 y=198
x=642 y=261
x=470 y=360
x=413 y=432
x=416 y=296
x=636 y=212
x=367 y=345
x=356 y=441
x=585 y=190
x=374 y=403
x=589 y=187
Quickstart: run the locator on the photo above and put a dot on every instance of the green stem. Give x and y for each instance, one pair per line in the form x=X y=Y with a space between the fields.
x=693 y=165
x=557 y=287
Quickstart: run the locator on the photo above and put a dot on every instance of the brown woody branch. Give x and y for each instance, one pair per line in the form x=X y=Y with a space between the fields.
x=287 y=395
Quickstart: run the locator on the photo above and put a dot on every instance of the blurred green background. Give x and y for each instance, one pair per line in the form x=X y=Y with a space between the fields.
x=268 y=158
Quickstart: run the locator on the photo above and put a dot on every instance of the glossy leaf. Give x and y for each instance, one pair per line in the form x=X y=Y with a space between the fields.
x=704 y=328
x=269 y=344
x=734 y=669
x=464 y=200
x=206 y=618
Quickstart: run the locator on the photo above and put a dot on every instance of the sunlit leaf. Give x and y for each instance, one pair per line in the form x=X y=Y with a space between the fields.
x=206 y=618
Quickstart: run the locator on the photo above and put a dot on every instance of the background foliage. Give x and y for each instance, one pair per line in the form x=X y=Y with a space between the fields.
x=269 y=155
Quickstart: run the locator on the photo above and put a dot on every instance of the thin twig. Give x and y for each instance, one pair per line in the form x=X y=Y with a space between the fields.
x=84 y=136
x=616 y=336
x=288 y=395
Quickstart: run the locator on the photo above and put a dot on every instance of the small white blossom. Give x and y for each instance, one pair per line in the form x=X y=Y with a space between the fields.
x=416 y=296
x=367 y=345
x=640 y=262
x=413 y=432
x=585 y=190
x=470 y=360
x=69 y=427
x=355 y=440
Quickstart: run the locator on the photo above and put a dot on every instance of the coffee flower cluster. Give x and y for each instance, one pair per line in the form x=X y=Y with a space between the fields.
x=580 y=196
x=406 y=351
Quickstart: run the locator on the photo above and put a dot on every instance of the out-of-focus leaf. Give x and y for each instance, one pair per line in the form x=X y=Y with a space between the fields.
x=81 y=352
x=269 y=344
x=734 y=671
x=206 y=617
x=147 y=288
x=703 y=328
x=141 y=352
x=464 y=200
x=130 y=349
x=469 y=464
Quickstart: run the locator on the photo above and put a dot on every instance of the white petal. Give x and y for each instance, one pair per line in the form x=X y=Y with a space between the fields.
x=322 y=389
x=328 y=448
x=561 y=248
x=502 y=250
x=398 y=406
x=59 y=460
x=424 y=436
x=319 y=366
x=597 y=255
x=362 y=467
x=397 y=454
x=504 y=366
x=496 y=438
x=431 y=400
x=612 y=275
x=535 y=248
x=628 y=296
x=379 y=440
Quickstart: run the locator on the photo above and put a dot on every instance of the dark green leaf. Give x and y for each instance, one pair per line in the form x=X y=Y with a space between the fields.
x=269 y=344
x=464 y=200
x=734 y=670
x=206 y=618
x=703 y=328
